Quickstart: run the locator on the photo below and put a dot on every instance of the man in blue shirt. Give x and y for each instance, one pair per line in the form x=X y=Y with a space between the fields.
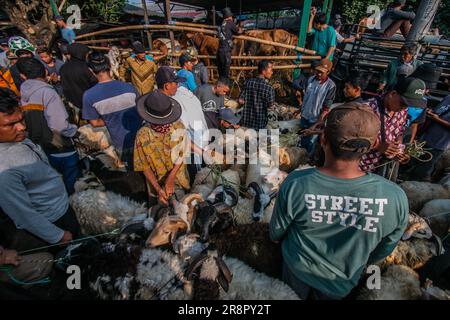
x=324 y=42
x=187 y=64
x=66 y=32
x=112 y=104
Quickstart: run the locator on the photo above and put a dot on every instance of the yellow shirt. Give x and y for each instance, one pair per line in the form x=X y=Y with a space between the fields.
x=142 y=74
x=153 y=150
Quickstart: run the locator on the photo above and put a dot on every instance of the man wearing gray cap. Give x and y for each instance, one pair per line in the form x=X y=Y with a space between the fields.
x=335 y=220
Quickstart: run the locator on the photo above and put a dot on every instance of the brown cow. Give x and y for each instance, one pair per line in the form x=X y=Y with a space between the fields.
x=275 y=35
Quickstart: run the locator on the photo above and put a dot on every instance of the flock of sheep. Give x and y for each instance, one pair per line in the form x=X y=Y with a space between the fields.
x=214 y=243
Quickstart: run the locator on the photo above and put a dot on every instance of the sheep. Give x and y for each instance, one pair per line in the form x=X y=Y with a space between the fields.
x=103 y=211
x=419 y=193
x=207 y=177
x=88 y=181
x=94 y=139
x=251 y=244
x=397 y=283
x=417 y=227
x=168 y=226
x=248 y=284
x=430 y=292
x=443 y=164
x=413 y=253
x=437 y=213
x=292 y=157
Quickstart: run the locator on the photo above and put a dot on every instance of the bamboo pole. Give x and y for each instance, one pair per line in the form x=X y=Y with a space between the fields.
x=265 y=57
x=249 y=68
x=287 y=46
x=100 y=40
x=196 y=25
x=145 y=26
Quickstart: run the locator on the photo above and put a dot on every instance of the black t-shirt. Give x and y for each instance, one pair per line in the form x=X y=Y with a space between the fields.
x=226 y=32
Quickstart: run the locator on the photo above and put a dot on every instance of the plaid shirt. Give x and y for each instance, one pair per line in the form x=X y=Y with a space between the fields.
x=393 y=127
x=258 y=95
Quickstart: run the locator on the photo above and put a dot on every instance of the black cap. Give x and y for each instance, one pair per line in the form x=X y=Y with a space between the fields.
x=167 y=74
x=185 y=58
x=158 y=108
x=226 y=12
x=138 y=47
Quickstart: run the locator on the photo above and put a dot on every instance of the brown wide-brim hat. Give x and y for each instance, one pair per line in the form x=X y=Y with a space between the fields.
x=325 y=66
x=158 y=108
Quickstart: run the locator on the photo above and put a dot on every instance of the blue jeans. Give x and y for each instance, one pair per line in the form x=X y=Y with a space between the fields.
x=68 y=167
x=307 y=142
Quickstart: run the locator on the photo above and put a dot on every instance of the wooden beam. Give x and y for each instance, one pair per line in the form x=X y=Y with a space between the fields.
x=169 y=21
x=147 y=22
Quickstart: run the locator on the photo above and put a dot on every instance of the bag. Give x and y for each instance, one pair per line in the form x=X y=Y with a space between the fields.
x=39 y=131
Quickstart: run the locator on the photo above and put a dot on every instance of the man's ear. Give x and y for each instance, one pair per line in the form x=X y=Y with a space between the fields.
x=323 y=140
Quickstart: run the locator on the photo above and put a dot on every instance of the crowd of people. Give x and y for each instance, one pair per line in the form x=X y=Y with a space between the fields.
x=331 y=220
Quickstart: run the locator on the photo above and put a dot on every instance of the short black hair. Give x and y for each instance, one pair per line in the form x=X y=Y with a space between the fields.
x=357 y=82
x=320 y=18
x=8 y=101
x=263 y=65
x=408 y=48
x=224 y=82
x=44 y=50
x=31 y=68
x=98 y=62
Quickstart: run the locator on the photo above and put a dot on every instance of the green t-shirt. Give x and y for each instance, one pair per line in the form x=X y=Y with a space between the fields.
x=331 y=228
x=323 y=40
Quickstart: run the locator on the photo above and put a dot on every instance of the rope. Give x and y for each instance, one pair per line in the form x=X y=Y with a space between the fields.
x=8 y=269
x=113 y=232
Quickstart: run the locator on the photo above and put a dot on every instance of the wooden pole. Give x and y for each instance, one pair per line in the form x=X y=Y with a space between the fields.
x=150 y=26
x=100 y=40
x=169 y=21
x=195 y=25
x=276 y=44
x=214 y=15
x=147 y=22
x=265 y=57
x=248 y=68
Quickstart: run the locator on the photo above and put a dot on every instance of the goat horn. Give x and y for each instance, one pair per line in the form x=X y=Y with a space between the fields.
x=222 y=207
x=189 y=198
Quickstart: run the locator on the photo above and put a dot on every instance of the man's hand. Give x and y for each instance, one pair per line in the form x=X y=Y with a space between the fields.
x=66 y=237
x=390 y=150
x=403 y=158
x=9 y=257
x=432 y=115
x=162 y=197
x=241 y=101
x=313 y=11
x=54 y=77
x=381 y=86
x=170 y=186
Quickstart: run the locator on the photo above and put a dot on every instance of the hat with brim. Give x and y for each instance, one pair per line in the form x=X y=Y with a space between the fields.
x=227 y=13
x=228 y=115
x=324 y=66
x=158 y=108
x=412 y=92
x=167 y=74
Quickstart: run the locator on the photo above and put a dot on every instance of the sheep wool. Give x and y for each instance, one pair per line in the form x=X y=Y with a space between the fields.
x=413 y=253
x=243 y=212
x=419 y=193
x=437 y=213
x=249 y=284
x=161 y=275
x=397 y=283
x=103 y=211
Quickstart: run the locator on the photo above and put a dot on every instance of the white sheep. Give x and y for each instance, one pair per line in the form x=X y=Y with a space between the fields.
x=248 y=284
x=94 y=139
x=103 y=211
x=397 y=283
x=419 y=193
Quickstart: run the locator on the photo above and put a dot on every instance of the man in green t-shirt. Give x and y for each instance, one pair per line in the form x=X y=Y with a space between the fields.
x=324 y=41
x=335 y=220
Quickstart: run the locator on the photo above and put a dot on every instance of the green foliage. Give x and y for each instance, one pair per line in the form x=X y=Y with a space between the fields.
x=106 y=10
x=442 y=20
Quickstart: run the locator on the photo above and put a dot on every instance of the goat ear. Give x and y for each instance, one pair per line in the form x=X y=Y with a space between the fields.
x=197 y=262
x=224 y=269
